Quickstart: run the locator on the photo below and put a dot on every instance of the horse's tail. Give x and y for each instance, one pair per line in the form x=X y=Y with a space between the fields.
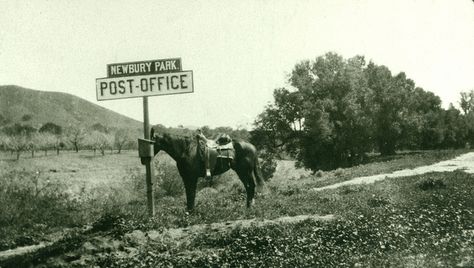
x=258 y=175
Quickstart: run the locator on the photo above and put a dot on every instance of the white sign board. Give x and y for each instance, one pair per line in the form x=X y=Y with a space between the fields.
x=144 y=85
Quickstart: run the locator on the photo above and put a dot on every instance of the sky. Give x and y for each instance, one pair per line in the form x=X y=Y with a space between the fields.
x=239 y=51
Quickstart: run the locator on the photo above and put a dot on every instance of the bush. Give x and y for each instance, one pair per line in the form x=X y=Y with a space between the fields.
x=377 y=201
x=31 y=206
x=319 y=173
x=30 y=203
x=268 y=165
x=168 y=180
x=430 y=184
x=339 y=172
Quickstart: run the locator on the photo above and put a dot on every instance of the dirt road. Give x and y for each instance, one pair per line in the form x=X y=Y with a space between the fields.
x=463 y=162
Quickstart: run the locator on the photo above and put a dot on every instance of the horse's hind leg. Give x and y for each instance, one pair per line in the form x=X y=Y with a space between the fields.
x=249 y=184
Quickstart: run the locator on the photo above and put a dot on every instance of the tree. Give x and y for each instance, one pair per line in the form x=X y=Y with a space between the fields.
x=340 y=109
x=75 y=135
x=388 y=102
x=100 y=128
x=456 y=131
x=26 y=117
x=18 y=138
x=46 y=141
x=18 y=143
x=4 y=142
x=278 y=125
x=34 y=143
x=3 y=120
x=51 y=128
x=325 y=122
x=19 y=129
x=467 y=102
x=123 y=138
x=98 y=141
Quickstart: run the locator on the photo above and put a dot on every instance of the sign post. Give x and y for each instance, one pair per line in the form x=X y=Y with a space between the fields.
x=143 y=79
x=148 y=169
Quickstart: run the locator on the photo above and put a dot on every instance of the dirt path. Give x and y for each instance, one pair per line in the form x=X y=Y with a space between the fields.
x=463 y=162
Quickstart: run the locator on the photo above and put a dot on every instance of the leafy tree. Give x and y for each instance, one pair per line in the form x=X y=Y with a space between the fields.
x=456 y=130
x=467 y=106
x=51 y=128
x=19 y=129
x=340 y=109
x=207 y=131
x=423 y=125
x=432 y=130
x=242 y=134
x=467 y=102
x=278 y=125
x=3 y=120
x=100 y=128
x=388 y=109
x=326 y=123
x=26 y=117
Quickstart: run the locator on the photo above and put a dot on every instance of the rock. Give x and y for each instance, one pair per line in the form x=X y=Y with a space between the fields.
x=88 y=247
x=83 y=261
x=105 y=244
x=155 y=236
x=131 y=251
x=71 y=256
x=136 y=238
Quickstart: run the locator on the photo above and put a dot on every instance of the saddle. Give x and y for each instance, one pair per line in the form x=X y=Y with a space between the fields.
x=217 y=154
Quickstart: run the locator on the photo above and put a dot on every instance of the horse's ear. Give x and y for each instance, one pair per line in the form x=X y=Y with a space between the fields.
x=154 y=134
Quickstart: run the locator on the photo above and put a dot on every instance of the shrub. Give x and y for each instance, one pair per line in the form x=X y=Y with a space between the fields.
x=29 y=203
x=268 y=165
x=430 y=184
x=319 y=173
x=168 y=180
x=338 y=172
x=377 y=201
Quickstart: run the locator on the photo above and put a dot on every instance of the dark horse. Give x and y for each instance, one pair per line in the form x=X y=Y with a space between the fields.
x=190 y=163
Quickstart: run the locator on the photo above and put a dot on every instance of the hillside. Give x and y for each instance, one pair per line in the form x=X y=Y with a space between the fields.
x=60 y=108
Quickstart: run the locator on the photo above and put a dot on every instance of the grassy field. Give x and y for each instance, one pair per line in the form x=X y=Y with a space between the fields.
x=422 y=221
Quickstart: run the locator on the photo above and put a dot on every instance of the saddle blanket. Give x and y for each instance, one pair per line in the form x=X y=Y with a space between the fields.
x=225 y=153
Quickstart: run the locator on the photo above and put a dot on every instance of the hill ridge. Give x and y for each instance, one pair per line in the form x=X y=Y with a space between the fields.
x=60 y=108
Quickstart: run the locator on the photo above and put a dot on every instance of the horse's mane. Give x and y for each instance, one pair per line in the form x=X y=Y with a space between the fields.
x=181 y=143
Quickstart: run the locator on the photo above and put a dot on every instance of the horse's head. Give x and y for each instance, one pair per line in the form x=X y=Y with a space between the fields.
x=159 y=141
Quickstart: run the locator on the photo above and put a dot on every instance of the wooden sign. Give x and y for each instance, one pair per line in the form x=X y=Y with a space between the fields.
x=144 y=85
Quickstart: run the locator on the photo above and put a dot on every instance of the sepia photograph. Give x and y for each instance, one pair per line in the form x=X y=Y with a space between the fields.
x=250 y=133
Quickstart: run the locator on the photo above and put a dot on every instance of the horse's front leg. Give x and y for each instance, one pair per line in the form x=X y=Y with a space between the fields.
x=190 y=184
